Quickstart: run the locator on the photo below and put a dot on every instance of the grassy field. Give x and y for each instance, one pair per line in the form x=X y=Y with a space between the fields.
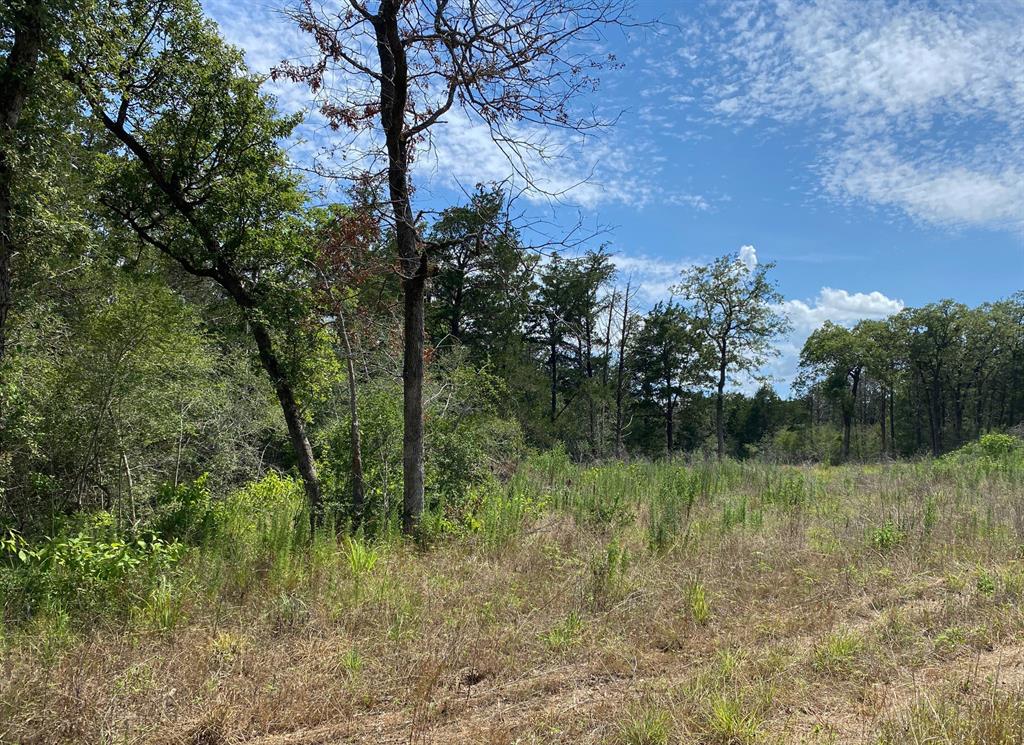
x=644 y=603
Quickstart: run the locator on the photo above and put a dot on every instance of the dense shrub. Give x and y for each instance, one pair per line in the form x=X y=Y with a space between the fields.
x=184 y=512
x=92 y=568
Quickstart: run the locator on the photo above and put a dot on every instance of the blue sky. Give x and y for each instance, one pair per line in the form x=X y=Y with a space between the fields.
x=874 y=150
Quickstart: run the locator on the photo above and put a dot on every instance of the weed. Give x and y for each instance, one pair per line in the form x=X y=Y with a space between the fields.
x=226 y=646
x=163 y=608
x=950 y=639
x=645 y=725
x=994 y=717
x=727 y=722
x=835 y=654
x=700 y=609
x=607 y=574
x=351 y=663
x=887 y=536
x=361 y=557
x=986 y=583
x=566 y=634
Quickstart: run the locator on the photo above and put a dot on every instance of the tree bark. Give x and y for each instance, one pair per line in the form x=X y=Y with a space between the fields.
x=355 y=439
x=849 y=407
x=293 y=419
x=589 y=371
x=720 y=403
x=883 y=450
x=669 y=426
x=620 y=368
x=394 y=83
x=412 y=401
x=15 y=83
x=553 y=365
x=892 y=419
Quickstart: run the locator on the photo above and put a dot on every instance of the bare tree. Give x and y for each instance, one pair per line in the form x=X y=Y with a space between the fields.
x=396 y=68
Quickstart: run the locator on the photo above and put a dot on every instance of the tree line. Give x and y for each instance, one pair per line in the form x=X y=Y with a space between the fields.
x=174 y=301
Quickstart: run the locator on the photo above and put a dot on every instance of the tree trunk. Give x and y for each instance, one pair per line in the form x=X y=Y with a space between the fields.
x=15 y=81
x=553 y=365
x=394 y=89
x=935 y=416
x=412 y=400
x=293 y=419
x=620 y=368
x=455 y=324
x=848 y=411
x=669 y=426
x=720 y=405
x=883 y=450
x=844 y=451
x=892 y=419
x=358 y=488
x=589 y=370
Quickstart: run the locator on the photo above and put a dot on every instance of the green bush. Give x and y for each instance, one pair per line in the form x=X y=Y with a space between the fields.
x=83 y=570
x=184 y=512
x=993 y=447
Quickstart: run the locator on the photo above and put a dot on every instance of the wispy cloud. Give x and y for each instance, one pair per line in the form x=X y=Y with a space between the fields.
x=607 y=166
x=917 y=106
x=652 y=278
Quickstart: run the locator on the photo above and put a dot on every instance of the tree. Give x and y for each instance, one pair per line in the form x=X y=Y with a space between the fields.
x=405 y=66
x=27 y=21
x=196 y=172
x=346 y=242
x=669 y=357
x=626 y=326
x=568 y=305
x=736 y=309
x=932 y=334
x=479 y=291
x=839 y=355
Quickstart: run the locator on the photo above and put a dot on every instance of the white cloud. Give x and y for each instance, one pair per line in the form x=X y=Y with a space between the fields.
x=748 y=257
x=652 y=278
x=839 y=306
x=930 y=190
x=917 y=106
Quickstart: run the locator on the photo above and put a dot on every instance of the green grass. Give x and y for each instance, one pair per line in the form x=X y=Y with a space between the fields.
x=732 y=602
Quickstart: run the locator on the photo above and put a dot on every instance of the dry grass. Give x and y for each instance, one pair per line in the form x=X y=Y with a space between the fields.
x=846 y=605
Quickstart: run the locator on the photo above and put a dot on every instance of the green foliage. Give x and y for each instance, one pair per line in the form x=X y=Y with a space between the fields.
x=565 y=634
x=886 y=536
x=700 y=609
x=84 y=570
x=608 y=574
x=727 y=722
x=835 y=654
x=468 y=443
x=992 y=449
x=185 y=512
x=362 y=558
x=994 y=717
